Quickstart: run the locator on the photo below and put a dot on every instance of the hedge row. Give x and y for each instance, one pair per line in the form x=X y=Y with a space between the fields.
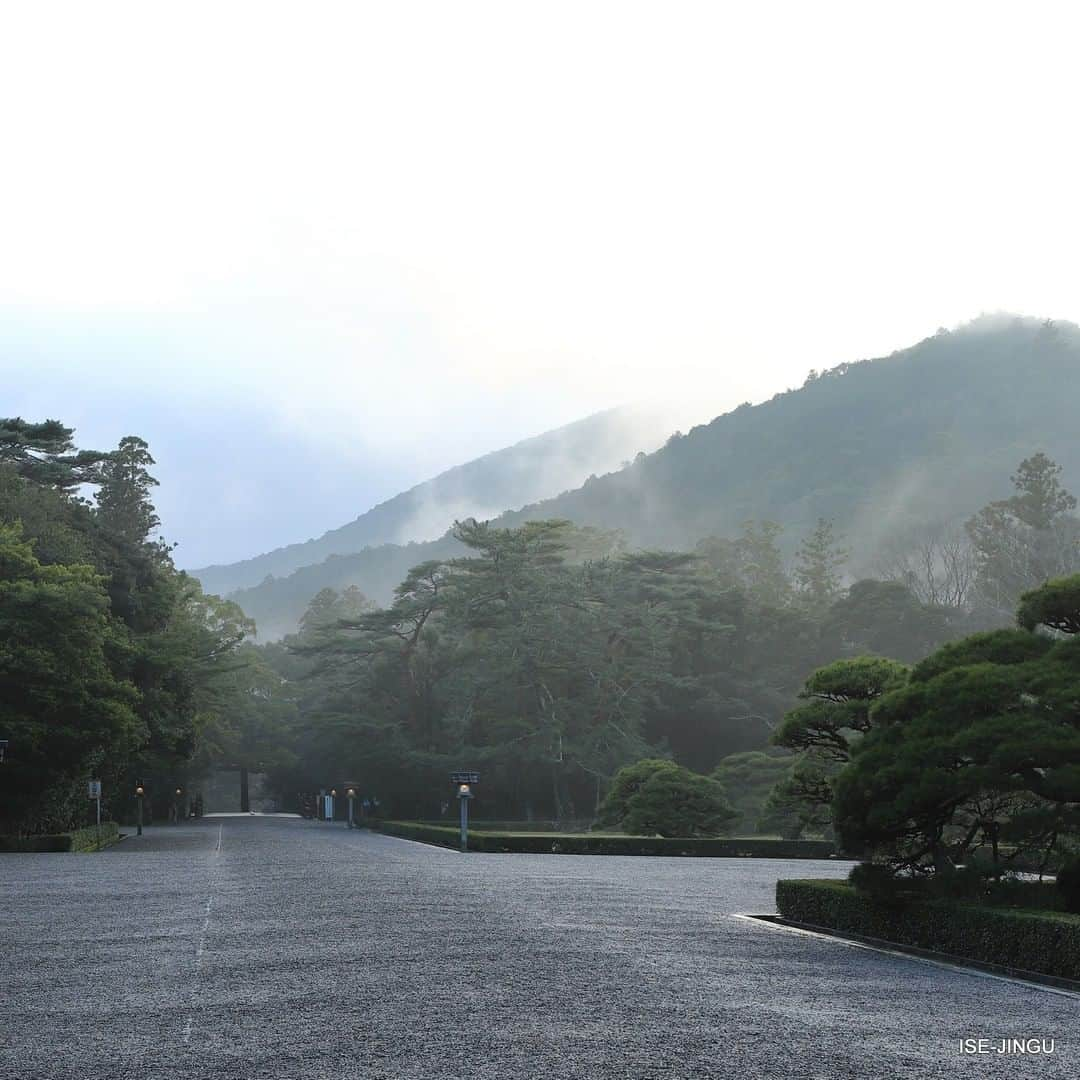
x=89 y=839
x=564 y=844
x=482 y=825
x=1043 y=942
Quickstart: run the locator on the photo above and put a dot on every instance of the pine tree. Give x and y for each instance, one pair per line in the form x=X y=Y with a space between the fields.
x=123 y=499
x=817 y=567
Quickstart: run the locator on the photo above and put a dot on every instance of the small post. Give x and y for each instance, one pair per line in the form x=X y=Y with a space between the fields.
x=352 y=798
x=95 y=794
x=464 y=795
x=139 y=792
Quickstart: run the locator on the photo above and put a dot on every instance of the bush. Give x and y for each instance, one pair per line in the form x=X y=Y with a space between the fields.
x=88 y=839
x=678 y=803
x=626 y=784
x=874 y=879
x=1046 y=943
x=1068 y=884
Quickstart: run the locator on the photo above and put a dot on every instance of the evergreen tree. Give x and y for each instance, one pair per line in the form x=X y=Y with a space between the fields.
x=123 y=496
x=65 y=711
x=44 y=454
x=817 y=567
x=1025 y=540
x=761 y=564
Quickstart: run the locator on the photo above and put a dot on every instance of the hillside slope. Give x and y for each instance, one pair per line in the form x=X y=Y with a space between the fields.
x=533 y=469
x=928 y=434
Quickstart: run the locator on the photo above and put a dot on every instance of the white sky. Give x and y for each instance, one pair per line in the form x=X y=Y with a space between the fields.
x=401 y=234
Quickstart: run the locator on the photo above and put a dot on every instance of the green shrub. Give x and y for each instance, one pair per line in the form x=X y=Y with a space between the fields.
x=1068 y=884
x=94 y=838
x=678 y=803
x=1043 y=942
x=874 y=879
x=88 y=839
x=626 y=784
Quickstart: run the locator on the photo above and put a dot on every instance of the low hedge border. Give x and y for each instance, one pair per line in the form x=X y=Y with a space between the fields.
x=565 y=844
x=1018 y=941
x=92 y=838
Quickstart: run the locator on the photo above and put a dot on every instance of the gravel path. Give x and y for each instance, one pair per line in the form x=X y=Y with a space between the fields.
x=276 y=948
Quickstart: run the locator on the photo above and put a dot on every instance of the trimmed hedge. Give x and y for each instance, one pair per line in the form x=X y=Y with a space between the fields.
x=1041 y=942
x=506 y=826
x=567 y=844
x=88 y=839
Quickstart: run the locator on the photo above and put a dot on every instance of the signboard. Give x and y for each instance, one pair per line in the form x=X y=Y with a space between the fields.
x=95 y=789
x=465 y=778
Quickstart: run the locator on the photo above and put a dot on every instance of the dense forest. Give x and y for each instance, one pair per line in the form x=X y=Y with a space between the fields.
x=113 y=664
x=550 y=657
x=896 y=452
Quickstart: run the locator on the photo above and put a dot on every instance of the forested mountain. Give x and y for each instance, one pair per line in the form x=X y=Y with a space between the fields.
x=532 y=469
x=885 y=449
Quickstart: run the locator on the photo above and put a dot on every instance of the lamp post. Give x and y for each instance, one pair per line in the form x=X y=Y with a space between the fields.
x=176 y=805
x=464 y=794
x=352 y=798
x=139 y=793
x=333 y=807
x=464 y=782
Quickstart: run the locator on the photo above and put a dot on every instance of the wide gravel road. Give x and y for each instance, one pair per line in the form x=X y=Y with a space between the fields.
x=264 y=948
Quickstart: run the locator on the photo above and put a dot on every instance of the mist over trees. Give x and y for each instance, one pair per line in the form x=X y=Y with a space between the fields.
x=906 y=446
x=551 y=656
x=548 y=653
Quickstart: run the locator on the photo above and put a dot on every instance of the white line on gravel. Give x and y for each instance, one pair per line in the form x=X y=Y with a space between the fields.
x=200 y=948
x=757 y=920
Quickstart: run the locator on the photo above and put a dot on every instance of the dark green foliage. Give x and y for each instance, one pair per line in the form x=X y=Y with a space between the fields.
x=570 y=844
x=885 y=618
x=978 y=755
x=111 y=661
x=839 y=698
x=874 y=879
x=1068 y=884
x=44 y=454
x=626 y=783
x=123 y=496
x=1055 y=605
x=64 y=708
x=1047 y=943
x=547 y=666
x=987 y=647
x=748 y=778
x=678 y=803
x=551 y=663
x=91 y=838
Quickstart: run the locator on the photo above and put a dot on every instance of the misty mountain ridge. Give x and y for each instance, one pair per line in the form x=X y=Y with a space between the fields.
x=530 y=470
x=926 y=435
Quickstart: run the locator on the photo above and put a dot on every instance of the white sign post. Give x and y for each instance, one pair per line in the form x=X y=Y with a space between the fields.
x=95 y=794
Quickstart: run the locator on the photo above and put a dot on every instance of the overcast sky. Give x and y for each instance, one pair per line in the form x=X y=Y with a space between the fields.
x=315 y=253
